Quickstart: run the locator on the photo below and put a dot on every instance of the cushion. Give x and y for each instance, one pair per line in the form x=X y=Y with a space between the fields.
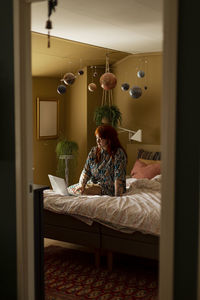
x=149 y=161
x=142 y=170
x=137 y=166
x=151 y=155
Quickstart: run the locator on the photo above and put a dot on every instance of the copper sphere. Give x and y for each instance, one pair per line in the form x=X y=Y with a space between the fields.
x=69 y=78
x=92 y=87
x=108 y=81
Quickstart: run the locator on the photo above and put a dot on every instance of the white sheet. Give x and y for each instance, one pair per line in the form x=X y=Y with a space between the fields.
x=137 y=210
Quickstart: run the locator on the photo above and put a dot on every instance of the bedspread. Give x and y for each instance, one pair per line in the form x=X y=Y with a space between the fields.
x=137 y=210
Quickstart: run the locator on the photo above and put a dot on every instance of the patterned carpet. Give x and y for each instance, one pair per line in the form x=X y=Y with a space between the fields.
x=71 y=274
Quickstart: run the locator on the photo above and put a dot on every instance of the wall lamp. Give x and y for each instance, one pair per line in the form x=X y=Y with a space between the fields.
x=132 y=135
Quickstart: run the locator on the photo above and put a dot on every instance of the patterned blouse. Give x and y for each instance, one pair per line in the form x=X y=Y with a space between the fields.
x=106 y=171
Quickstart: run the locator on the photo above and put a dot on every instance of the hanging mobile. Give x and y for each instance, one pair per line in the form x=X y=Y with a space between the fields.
x=92 y=86
x=51 y=7
x=80 y=72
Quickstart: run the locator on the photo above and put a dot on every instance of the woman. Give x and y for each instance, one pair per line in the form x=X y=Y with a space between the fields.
x=104 y=172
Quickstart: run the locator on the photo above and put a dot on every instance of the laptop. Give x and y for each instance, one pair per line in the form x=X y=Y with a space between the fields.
x=58 y=185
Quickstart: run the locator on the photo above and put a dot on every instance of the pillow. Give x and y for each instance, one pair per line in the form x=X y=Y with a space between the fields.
x=137 y=166
x=149 y=161
x=151 y=155
x=141 y=170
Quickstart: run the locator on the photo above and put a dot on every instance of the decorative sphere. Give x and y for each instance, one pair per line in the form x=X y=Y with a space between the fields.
x=140 y=74
x=80 y=72
x=135 y=92
x=145 y=87
x=125 y=86
x=69 y=78
x=61 y=89
x=108 y=81
x=95 y=74
x=92 y=87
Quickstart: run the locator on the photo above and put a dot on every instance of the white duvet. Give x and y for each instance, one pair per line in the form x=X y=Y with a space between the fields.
x=137 y=210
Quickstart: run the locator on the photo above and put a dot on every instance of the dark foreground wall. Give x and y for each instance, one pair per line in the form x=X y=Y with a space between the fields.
x=187 y=156
x=8 y=284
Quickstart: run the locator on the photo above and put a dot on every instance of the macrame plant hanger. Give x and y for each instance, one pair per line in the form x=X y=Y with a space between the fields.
x=107 y=96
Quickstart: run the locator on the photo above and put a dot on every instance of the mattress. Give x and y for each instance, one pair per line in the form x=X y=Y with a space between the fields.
x=137 y=210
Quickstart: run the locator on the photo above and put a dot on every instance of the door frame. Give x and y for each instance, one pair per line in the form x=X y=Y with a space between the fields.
x=24 y=153
x=168 y=136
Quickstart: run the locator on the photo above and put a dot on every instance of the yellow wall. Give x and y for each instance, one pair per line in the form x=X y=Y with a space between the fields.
x=44 y=156
x=77 y=111
x=145 y=112
x=76 y=122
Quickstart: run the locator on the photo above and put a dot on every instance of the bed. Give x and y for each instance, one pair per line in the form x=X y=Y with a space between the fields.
x=111 y=224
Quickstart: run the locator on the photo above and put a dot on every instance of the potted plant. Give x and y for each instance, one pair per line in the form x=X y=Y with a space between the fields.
x=107 y=114
x=65 y=150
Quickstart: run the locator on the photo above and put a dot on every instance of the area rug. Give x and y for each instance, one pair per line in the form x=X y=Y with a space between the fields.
x=71 y=274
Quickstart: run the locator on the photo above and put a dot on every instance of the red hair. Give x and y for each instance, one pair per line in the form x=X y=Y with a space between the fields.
x=110 y=134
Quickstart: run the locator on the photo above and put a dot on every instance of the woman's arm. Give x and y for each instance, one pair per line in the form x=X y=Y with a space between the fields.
x=119 y=188
x=86 y=172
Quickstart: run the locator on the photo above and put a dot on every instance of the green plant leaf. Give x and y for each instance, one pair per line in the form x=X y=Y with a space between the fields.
x=112 y=113
x=64 y=147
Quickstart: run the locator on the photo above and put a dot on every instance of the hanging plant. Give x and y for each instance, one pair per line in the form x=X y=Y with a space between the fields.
x=64 y=147
x=107 y=114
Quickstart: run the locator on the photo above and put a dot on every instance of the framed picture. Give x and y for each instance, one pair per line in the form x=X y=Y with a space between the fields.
x=47 y=118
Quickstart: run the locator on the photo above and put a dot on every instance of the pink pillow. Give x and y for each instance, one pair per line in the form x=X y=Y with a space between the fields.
x=141 y=170
x=137 y=166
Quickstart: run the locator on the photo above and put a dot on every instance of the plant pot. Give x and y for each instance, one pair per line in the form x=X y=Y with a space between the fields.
x=105 y=120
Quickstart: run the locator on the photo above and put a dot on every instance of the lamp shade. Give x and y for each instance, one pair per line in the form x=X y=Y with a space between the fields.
x=137 y=136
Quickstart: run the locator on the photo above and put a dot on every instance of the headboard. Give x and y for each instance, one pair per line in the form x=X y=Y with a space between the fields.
x=132 y=150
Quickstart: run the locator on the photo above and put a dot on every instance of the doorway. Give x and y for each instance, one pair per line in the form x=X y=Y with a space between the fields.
x=170 y=182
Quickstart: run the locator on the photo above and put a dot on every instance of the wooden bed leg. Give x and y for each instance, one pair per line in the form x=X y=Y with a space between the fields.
x=109 y=260
x=97 y=258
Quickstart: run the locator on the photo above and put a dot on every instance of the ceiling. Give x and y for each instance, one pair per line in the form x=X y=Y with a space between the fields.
x=118 y=27
x=67 y=56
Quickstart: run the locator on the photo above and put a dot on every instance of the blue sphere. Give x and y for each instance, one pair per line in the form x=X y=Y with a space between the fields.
x=125 y=86
x=61 y=89
x=80 y=72
x=140 y=74
x=135 y=92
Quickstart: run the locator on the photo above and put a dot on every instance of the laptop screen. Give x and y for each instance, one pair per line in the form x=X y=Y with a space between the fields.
x=58 y=185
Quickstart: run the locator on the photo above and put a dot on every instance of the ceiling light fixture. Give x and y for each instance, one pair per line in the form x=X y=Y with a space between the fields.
x=51 y=7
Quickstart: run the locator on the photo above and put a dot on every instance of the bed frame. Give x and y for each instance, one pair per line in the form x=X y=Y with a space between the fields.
x=99 y=237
